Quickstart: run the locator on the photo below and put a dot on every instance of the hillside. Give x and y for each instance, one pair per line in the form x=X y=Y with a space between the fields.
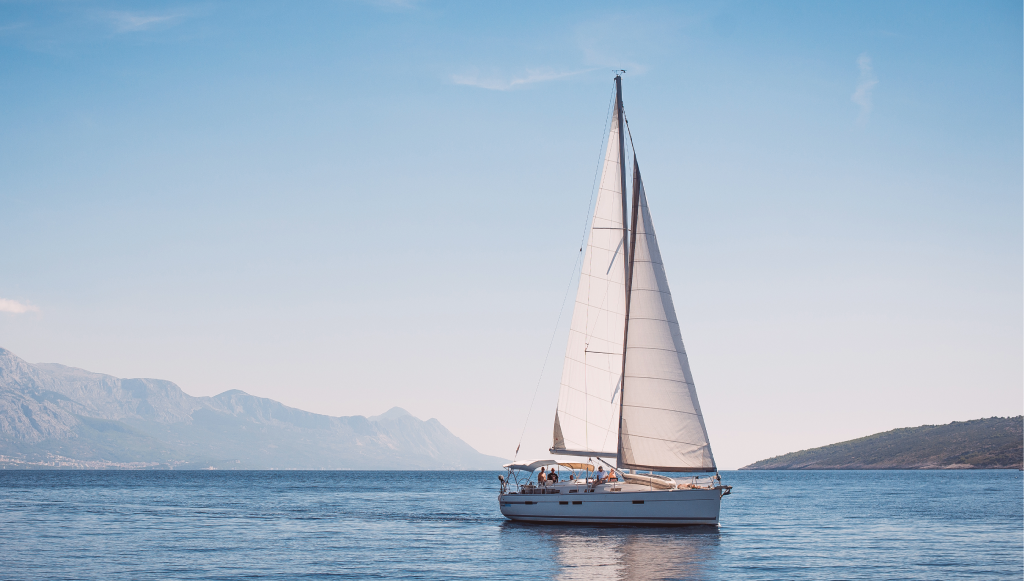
x=57 y=416
x=986 y=443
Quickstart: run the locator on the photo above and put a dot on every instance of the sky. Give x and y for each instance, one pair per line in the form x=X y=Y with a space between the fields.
x=349 y=206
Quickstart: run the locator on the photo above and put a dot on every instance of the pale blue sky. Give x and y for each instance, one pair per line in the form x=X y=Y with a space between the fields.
x=347 y=206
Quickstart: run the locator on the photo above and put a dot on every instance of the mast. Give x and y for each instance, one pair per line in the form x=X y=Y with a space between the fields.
x=629 y=288
x=628 y=229
x=622 y=180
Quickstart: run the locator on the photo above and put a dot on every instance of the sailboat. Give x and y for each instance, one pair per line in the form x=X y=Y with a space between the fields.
x=627 y=398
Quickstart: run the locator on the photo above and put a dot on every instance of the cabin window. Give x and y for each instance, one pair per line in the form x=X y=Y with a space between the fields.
x=638 y=502
x=577 y=502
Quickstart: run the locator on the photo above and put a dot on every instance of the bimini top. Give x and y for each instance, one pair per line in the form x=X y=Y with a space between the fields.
x=532 y=465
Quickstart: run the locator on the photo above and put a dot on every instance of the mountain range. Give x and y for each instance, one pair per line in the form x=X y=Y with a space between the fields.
x=62 y=417
x=984 y=443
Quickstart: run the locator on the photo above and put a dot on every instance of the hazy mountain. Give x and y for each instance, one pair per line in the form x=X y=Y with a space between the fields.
x=70 y=417
x=986 y=443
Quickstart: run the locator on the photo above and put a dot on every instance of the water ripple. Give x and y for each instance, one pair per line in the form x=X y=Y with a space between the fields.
x=445 y=525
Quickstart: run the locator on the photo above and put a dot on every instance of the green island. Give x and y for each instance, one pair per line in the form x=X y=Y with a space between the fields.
x=975 y=444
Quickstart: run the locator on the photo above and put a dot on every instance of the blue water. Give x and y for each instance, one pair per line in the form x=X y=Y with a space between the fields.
x=446 y=525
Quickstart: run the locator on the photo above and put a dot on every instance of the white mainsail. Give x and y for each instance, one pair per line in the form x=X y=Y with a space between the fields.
x=662 y=427
x=587 y=420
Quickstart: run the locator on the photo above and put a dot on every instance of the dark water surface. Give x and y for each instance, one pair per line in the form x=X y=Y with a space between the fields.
x=446 y=525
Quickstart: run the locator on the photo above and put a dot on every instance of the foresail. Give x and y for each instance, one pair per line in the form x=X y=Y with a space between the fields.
x=586 y=422
x=662 y=427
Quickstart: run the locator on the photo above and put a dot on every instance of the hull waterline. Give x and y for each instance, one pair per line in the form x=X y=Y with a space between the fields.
x=659 y=507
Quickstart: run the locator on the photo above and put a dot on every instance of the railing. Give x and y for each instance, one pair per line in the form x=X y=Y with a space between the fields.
x=510 y=484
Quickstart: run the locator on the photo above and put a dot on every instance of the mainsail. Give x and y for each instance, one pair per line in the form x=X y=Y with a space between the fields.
x=661 y=426
x=587 y=419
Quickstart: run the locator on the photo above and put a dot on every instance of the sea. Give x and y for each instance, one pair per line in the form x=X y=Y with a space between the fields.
x=446 y=525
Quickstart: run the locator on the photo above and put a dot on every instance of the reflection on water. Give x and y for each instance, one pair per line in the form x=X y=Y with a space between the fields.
x=587 y=552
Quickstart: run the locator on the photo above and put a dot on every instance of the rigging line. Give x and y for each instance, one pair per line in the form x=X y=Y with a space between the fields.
x=561 y=309
x=597 y=170
x=625 y=120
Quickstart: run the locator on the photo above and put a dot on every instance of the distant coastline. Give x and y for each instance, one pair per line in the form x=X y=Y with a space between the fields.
x=991 y=443
x=54 y=417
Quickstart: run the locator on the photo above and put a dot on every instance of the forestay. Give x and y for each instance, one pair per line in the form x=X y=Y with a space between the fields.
x=662 y=426
x=586 y=422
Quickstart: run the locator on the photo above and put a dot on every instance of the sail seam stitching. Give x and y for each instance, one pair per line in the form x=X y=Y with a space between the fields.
x=659 y=379
x=666 y=440
x=578 y=390
x=644 y=407
x=582 y=420
x=652 y=319
x=658 y=348
x=584 y=363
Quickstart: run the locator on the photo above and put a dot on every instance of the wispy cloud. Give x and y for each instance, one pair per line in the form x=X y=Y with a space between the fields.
x=9 y=306
x=12 y=27
x=862 y=96
x=129 y=22
x=504 y=83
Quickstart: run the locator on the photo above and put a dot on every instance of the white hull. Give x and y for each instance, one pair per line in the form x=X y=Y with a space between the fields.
x=655 y=507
